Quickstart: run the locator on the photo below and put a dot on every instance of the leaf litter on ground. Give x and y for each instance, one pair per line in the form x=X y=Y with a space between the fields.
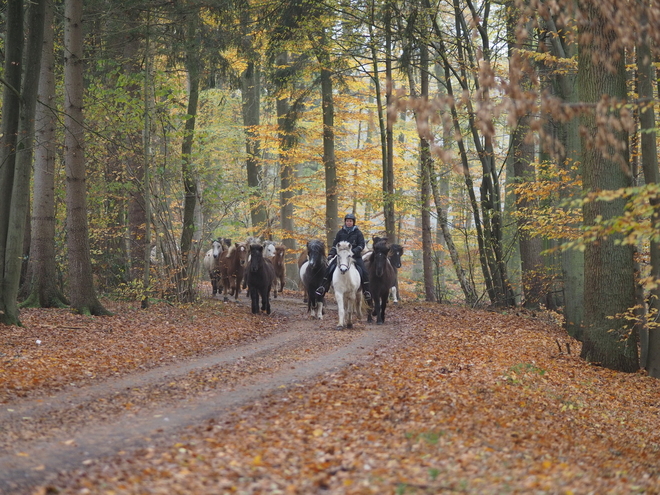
x=466 y=401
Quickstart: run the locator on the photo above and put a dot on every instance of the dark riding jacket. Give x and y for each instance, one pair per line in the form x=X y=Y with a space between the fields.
x=353 y=236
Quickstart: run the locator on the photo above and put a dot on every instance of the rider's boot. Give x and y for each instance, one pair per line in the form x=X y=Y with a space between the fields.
x=365 y=292
x=323 y=288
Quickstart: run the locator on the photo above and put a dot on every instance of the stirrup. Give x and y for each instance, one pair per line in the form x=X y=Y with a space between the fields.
x=367 y=295
x=320 y=291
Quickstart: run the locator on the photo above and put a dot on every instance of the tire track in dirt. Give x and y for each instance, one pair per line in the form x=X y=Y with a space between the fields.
x=83 y=426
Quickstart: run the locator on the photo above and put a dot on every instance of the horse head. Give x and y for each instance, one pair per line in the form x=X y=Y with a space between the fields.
x=396 y=251
x=380 y=257
x=256 y=256
x=242 y=252
x=217 y=247
x=344 y=256
x=315 y=253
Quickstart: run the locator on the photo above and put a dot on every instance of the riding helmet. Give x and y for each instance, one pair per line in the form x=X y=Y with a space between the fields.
x=350 y=216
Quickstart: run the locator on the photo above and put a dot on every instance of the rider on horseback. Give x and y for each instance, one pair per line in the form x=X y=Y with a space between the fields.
x=350 y=233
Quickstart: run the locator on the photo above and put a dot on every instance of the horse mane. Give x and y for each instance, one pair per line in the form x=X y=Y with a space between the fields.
x=231 y=250
x=344 y=246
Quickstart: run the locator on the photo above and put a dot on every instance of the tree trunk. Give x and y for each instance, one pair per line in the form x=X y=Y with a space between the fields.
x=42 y=286
x=329 y=163
x=286 y=122
x=10 y=118
x=609 y=268
x=82 y=293
x=184 y=283
x=251 y=105
x=388 y=162
x=651 y=342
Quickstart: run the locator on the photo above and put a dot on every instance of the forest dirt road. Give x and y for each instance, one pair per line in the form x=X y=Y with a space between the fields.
x=79 y=426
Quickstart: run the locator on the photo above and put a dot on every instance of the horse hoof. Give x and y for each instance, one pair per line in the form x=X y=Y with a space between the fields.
x=339 y=327
x=350 y=325
x=380 y=323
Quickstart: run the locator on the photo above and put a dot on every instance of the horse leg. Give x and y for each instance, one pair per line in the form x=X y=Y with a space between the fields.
x=339 y=297
x=381 y=313
x=254 y=296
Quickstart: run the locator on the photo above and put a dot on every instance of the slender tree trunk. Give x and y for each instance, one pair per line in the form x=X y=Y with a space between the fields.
x=82 y=293
x=388 y=163
x=329 y=163
x=8 y=139
x=609 y=268
x=251 y=105
x=185 y=286
x=286 y=122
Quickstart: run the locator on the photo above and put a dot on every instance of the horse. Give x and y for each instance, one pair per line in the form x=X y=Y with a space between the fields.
x=346 y=282
x=211 y=263
x=311 y=273
x=394 y=255
x=280 y=267
x=269 y=252
x=381 y=279
x=232 y=266
x=260 y=277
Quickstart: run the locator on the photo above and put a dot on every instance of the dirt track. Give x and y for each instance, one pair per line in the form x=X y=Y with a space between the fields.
x=44 y=436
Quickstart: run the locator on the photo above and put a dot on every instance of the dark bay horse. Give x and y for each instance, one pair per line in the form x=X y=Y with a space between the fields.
x=311 y=274
x=394 y=255
x=231 y=268
x=260 y=277
x=381 y=278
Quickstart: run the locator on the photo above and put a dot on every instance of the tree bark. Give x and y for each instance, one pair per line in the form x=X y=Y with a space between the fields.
x=251 y=106
x=82 y=293
x=10 y=121
x=651 y=336
x=43 y=284
x=184 y=282
x=609 y=268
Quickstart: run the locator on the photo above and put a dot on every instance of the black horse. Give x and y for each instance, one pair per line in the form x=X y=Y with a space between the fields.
x=394 y=255
x=260 y=277
x=381 y=278
x=311 y=275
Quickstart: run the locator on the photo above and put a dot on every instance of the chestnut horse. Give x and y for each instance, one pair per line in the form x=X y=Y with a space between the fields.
x=231 y=268
x=280 y=268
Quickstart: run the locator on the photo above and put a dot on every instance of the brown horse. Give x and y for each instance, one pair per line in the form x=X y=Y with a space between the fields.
x=231 y=269
x=280 y=268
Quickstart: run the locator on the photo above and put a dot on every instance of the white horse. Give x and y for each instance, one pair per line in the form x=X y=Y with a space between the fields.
x=212 y=264
x=346 y=282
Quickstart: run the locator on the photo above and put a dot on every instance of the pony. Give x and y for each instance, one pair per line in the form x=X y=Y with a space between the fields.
x=232 y=266
x=311 y=273
x=346 y=282
x=280 y=268
x=260 y=277
x=269 y=252
x=394 y=255
x=381 y=280
x=211 y=263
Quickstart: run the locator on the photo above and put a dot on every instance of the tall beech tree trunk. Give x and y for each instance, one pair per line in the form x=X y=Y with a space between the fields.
x=81 y=286
x=651 y=341
x=44 y=290
x=609 y=267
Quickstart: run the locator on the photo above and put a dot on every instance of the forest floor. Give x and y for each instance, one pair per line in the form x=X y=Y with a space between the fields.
x=211 y=399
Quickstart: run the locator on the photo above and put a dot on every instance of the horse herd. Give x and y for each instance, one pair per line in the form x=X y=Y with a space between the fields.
x=259 y=267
